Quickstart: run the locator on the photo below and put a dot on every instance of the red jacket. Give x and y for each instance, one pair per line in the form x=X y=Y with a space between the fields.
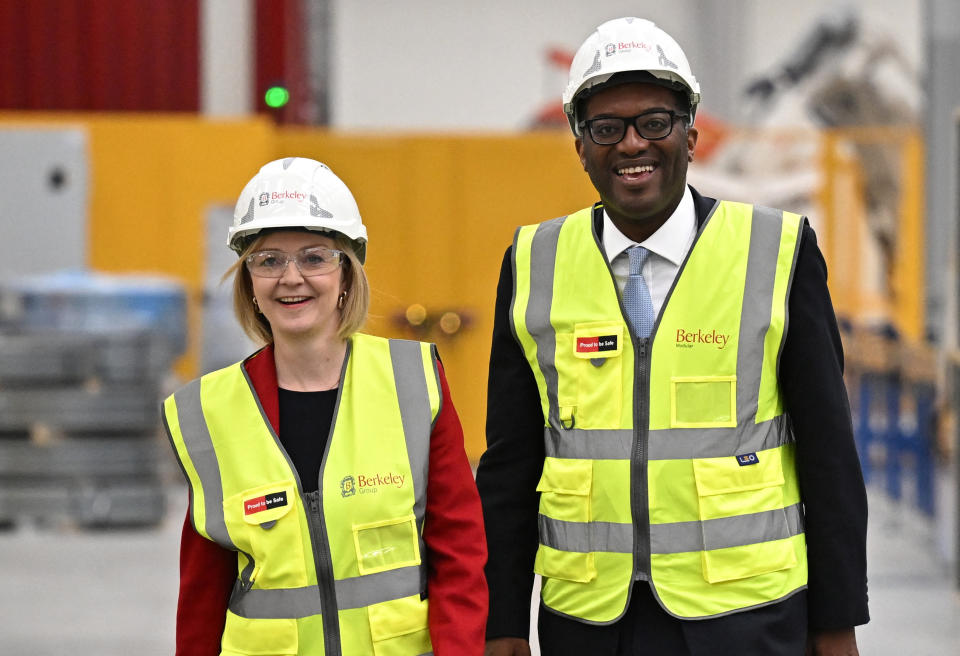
x=452 y=532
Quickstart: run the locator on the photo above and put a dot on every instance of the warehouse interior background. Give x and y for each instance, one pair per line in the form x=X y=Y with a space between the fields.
x=127 y=130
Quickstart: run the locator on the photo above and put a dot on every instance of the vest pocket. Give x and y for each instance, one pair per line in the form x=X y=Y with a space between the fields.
x=565 y=494
x=259 y=637
x=597 y=351
x=400 y=627
x=272 y=529
x=749 y=560
x=566 y=565
x=703 y=402
x=387 y=544
x=741 y=503
x=565 y=487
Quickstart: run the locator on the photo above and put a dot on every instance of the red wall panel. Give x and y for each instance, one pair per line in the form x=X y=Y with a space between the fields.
x=281 y=58
x=103 y=55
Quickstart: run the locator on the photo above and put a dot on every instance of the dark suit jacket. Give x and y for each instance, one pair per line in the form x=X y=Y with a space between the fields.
x=811 y=378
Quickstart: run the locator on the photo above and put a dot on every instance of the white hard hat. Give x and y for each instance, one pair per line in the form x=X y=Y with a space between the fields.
x=628 y=45
x=297 y=192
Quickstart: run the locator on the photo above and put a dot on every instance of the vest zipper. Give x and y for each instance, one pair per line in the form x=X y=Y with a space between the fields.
x=313 y=510
x=324 y=567
x=639 y=496
x=638 y=463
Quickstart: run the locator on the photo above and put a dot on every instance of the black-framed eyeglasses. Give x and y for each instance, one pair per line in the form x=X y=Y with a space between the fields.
x=651 y=125
x=314 y=261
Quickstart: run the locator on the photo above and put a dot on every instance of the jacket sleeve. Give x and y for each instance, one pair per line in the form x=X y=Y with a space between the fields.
x=508 y=472
x=832 y=488
x=454 y=539
x=207 y=573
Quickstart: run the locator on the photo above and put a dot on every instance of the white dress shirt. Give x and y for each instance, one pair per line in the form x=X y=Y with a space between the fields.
x=668 y=247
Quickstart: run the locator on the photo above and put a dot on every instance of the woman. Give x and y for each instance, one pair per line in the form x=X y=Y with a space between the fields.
x=332 y=507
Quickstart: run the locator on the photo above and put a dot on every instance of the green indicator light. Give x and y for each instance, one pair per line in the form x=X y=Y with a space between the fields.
x=276 y=97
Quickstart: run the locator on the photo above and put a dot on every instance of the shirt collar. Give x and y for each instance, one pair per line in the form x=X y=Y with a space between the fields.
x=670 y=241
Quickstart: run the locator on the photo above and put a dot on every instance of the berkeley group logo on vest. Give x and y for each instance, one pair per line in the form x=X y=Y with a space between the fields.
x=691 y=338
x=369 y=483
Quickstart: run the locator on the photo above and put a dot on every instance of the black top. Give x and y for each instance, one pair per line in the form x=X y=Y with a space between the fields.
x=305 y=420
x=811 y=379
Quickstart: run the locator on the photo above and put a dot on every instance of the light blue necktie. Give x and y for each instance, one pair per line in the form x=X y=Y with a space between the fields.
x=636 y=294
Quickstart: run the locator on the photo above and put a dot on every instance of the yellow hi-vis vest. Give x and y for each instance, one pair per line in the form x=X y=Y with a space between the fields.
x=668 y=459
x=339 y=571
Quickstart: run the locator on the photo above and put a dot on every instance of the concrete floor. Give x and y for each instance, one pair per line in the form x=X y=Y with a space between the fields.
x=103 y=592
x=113 y=593
x=914 y=601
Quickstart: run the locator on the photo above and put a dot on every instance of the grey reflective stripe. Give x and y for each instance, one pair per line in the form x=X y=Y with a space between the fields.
x=543 y=259
x=666 y=444
x=196 y=438
x=362 y=591
x=683 y=443
x=584 y=537
x=595 y=444
x=766 y=226
x=276 y=604
x=724 y=532
x=678 y=537
x=793 y=270
x=415 y=414
x=357 y=592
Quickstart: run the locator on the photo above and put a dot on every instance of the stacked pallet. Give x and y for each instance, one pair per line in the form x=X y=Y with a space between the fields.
x=81 y=376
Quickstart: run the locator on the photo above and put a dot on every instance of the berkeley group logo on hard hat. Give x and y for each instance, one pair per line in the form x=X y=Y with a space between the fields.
x=625 y=46
x=271 y=197
x=283 y=194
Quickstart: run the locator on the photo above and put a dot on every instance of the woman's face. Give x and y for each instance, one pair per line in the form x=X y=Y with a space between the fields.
x=298 y=306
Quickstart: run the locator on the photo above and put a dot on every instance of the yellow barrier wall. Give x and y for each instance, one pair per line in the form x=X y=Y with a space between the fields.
x=440 y=211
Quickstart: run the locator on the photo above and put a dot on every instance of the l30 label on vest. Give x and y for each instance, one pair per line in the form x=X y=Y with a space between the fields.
x=266 y=502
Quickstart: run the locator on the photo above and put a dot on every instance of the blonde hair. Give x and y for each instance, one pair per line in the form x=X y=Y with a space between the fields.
x=353 y=314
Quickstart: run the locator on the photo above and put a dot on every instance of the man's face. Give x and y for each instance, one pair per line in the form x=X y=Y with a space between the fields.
x=640 y=182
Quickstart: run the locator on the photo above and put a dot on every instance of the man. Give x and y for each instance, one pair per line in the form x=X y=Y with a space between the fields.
x=652 y=422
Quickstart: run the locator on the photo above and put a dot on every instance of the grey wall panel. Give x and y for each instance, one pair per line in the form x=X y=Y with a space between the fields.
x=43 y=217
